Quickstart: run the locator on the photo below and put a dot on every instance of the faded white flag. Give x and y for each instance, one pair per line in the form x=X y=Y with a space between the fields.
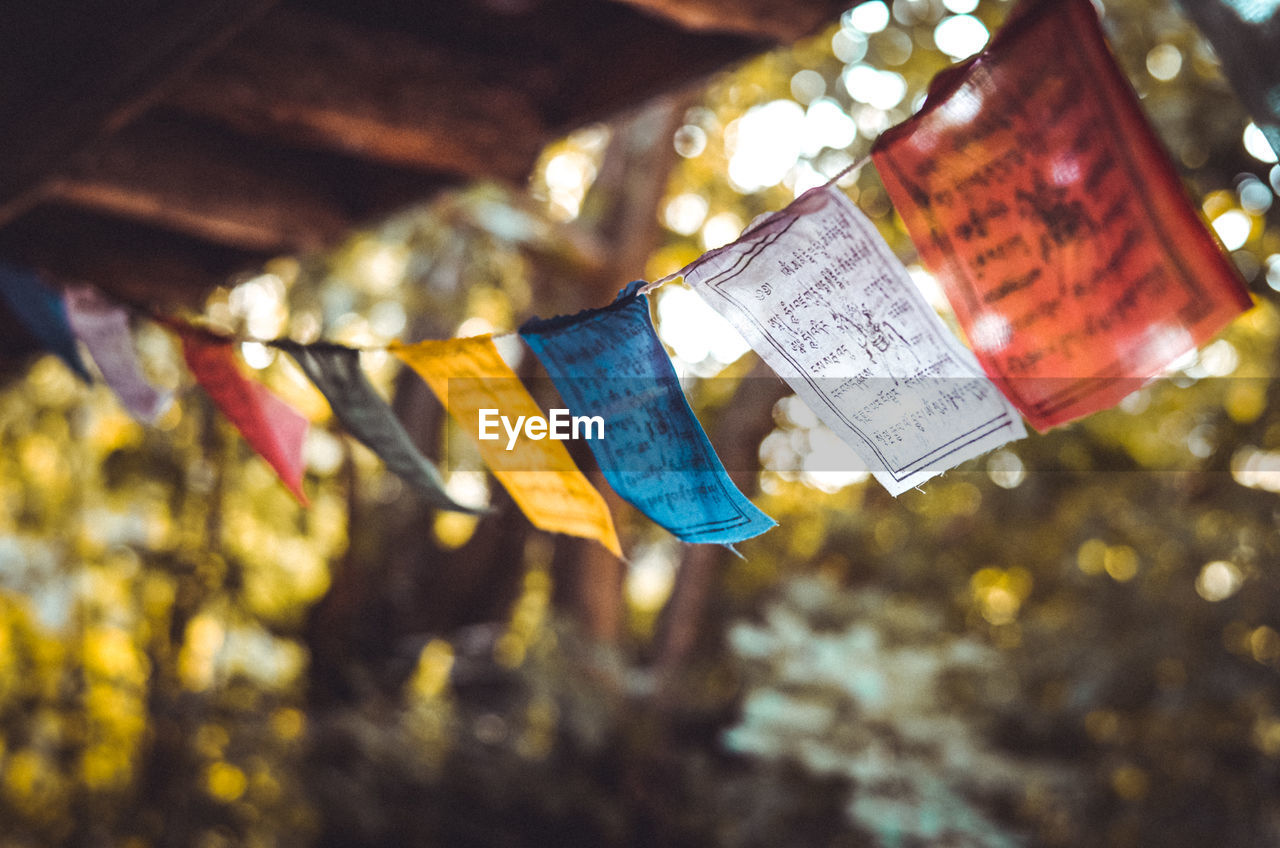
x=104 y=329
x=822 y=299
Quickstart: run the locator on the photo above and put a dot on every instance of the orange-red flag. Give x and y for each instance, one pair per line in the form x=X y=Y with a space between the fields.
x=1037 y=192
x=270 y=426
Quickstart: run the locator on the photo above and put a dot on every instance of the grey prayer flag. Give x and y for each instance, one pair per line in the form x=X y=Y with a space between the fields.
x=361 y=410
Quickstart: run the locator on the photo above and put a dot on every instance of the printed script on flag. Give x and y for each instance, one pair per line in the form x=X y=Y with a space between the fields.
x=609 y=363
x=1037 y=192
x=468 y=375
x=820 y=296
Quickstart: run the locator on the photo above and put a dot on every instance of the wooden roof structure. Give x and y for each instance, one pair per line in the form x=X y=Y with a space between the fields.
x=154 y=148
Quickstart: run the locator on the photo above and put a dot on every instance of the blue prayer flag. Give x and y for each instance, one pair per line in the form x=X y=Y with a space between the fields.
x=42 y=314
x=608 y=363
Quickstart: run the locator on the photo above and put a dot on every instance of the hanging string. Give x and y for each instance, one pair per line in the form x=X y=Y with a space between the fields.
x=853 y=168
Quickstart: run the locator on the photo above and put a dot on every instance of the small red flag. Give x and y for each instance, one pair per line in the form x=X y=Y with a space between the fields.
x=1035 y=189
x=270 y=426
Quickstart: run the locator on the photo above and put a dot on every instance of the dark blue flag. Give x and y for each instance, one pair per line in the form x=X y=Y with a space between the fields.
x=42 y=315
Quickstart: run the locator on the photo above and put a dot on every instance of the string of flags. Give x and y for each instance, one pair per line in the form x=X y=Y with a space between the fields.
x=1033 y=189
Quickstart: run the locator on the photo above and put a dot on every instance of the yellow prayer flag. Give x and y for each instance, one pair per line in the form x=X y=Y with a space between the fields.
x=468 y=375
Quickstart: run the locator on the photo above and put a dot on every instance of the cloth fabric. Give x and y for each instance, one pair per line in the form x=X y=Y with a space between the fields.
x=336 y=372
x=1036 y=191
x=271 y=427
x=821 y=298
x=42 y=314
x=608 y=363
x=468 y=375
x=103 y=327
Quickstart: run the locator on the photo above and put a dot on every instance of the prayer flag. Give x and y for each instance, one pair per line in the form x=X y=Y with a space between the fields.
x=1033 y=186
x=270 y=426
x=42 y=314
x=336 y=372
x=468 y=375
x=608 y=363
x=104 y=329
x=1245 y=35
x=822 y=299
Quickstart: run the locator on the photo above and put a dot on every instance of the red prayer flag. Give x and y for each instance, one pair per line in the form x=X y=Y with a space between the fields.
x=270 y=426
x=1036 y=191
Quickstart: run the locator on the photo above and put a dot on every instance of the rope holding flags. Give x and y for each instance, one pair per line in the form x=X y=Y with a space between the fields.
x=1030 y=183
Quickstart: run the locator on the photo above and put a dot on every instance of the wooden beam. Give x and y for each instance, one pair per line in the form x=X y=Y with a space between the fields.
x=170 y=174
x=456 y=87
x=781 y=22
x=318 y=82
x=73 y=71
x=141 y=263
x=575 y=61
x=614 y=58
x=208 y=182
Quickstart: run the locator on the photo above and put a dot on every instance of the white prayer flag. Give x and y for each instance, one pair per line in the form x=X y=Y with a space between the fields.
x=104 y=328
x=820 y=296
